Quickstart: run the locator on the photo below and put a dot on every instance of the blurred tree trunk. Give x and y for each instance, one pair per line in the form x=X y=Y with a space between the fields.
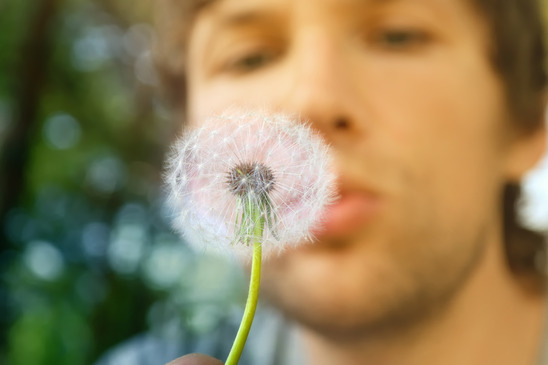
x=29 y=77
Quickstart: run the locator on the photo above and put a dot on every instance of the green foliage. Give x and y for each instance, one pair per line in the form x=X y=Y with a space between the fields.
x=88 y=260
x=54 y=334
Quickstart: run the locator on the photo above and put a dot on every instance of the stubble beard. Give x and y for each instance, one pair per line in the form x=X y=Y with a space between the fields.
x=391 y=309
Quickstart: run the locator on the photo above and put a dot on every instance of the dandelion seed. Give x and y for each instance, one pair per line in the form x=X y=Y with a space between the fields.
x=231 y=161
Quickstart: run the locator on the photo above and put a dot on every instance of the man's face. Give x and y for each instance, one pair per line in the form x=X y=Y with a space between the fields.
x=403 y=92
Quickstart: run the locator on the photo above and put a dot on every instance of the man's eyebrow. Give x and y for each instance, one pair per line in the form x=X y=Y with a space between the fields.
x=244 y=16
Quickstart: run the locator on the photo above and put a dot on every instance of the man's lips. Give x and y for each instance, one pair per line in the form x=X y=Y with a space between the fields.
x=347 y=214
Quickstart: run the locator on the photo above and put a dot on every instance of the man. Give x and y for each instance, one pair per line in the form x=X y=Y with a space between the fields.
x=435 y=111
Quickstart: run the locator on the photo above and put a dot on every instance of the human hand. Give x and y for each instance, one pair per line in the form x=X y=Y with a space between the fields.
x=196 y=359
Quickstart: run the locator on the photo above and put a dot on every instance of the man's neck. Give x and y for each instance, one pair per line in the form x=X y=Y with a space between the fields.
x=492 y=320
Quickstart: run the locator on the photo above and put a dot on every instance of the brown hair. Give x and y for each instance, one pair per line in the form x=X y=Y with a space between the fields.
x=516 y=52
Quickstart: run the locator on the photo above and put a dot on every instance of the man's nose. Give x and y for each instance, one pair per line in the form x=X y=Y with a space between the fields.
x=322 y=88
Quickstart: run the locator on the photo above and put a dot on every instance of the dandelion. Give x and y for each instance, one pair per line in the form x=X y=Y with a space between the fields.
x=251 y=184
x=232 y=161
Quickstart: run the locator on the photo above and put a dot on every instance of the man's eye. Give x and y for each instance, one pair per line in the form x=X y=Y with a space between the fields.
x=400 y=39
x=250 y=62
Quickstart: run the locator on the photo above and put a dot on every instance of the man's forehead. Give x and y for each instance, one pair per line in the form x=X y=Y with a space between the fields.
x=200 y=3
x=241 y=10
x=227 y=4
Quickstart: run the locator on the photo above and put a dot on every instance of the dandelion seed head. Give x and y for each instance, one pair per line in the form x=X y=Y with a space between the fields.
x=268 y=156
x=250 y=177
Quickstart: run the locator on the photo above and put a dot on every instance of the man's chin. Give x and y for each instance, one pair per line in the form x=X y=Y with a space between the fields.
x=342 y=289
x=311 y=285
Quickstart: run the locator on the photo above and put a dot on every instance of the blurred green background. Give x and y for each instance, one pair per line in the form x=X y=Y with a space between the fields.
x=86 y=256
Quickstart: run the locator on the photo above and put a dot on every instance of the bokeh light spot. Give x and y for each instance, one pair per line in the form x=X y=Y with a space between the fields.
x=44 y=260
x=127 y=247
x=62 y=131
x=93 y=48
x=106 y=174
x=95 y=239
x=166 y=263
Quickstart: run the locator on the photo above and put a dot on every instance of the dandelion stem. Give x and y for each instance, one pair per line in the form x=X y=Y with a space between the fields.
x=253 y=294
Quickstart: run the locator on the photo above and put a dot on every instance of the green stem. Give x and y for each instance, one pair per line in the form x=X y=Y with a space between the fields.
x=252 y=297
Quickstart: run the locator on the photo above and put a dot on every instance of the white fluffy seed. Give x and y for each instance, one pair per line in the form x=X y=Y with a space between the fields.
x=204 y=209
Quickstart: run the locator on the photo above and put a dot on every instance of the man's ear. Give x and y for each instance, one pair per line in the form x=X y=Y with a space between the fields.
x=525 y=152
